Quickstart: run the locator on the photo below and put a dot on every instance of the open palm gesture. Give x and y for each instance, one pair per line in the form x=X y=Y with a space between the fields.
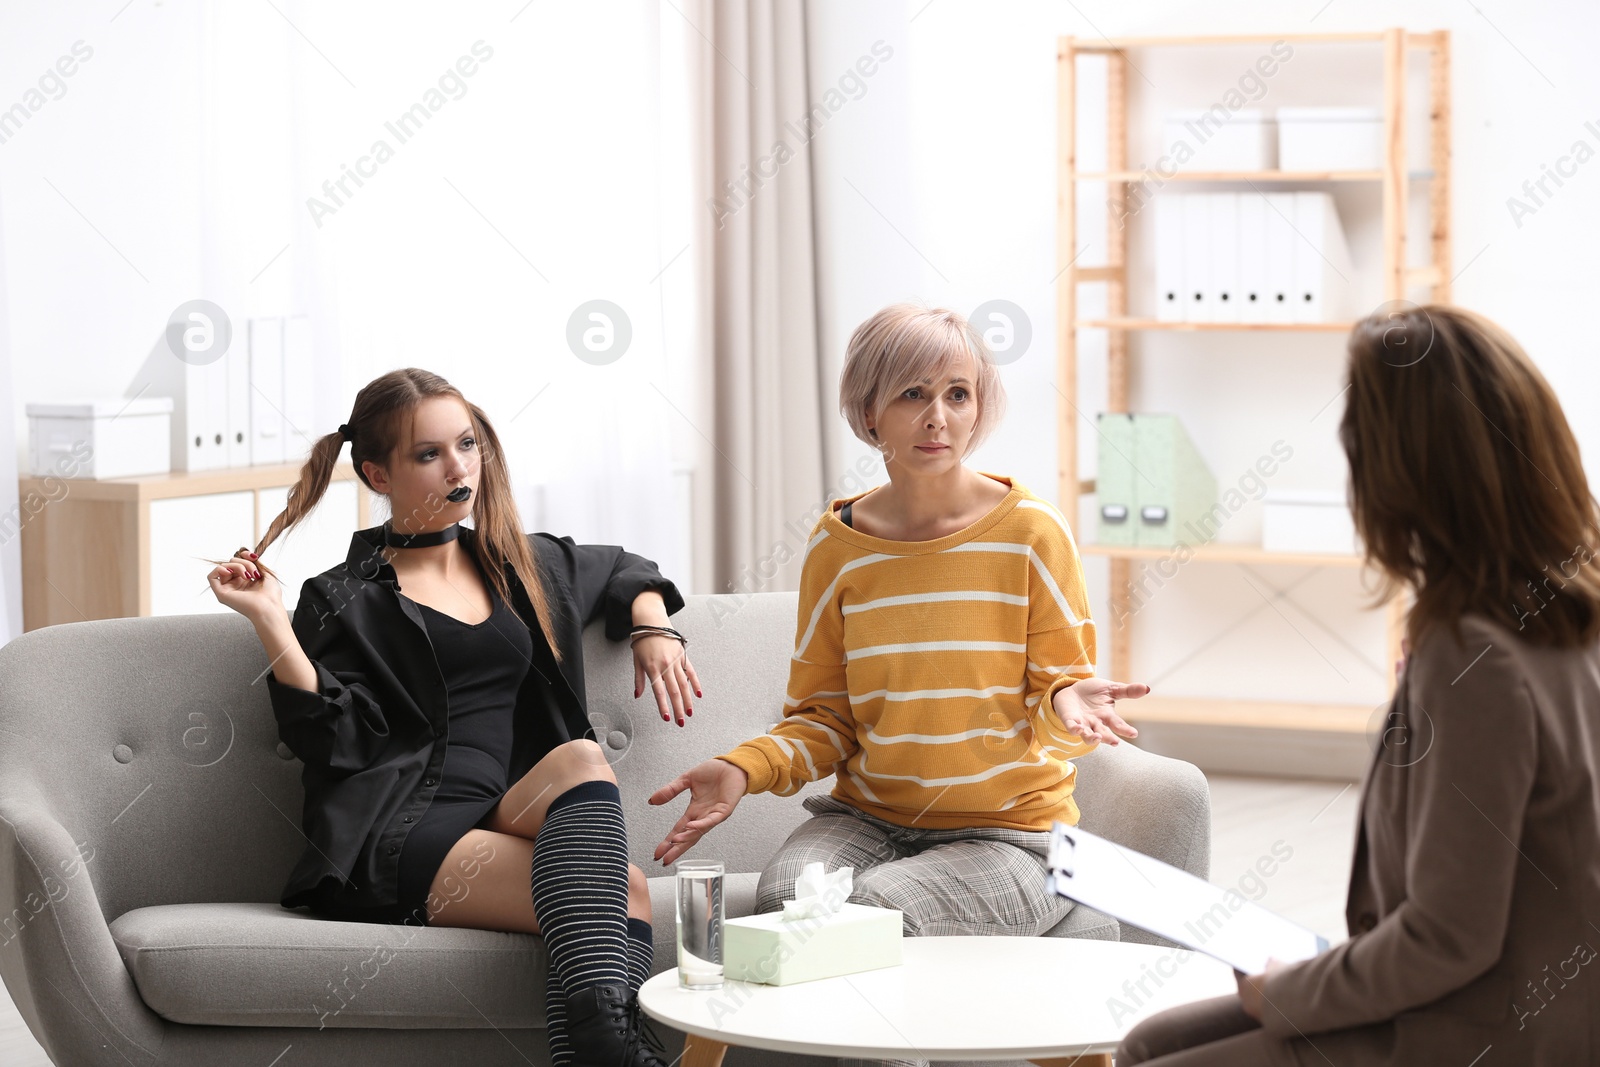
x=715 y=788
x=1088 y=708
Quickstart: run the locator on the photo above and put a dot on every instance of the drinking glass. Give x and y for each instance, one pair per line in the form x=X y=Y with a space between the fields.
x=700 y=917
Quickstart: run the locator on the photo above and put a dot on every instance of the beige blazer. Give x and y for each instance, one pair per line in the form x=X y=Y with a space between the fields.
x=1474 y=905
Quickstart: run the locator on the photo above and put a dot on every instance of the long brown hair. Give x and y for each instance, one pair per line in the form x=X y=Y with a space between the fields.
x=380 y=423
x=1465 y=479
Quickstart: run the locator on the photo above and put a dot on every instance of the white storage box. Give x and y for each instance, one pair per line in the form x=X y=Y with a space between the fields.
x=1330 y=138
x=1308 y=521
x=1243 y=141
x=100 y=438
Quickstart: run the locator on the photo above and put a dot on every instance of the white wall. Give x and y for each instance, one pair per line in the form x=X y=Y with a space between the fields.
x=954 y=145
x=179 y=160
x=101 y=189
x=10 y=558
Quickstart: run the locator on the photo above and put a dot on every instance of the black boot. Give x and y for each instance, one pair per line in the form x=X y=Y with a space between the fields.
x=603 y=1030
x=649 y=1051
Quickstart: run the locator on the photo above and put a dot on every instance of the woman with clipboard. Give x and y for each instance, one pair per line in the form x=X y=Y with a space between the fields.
x=1475 y=892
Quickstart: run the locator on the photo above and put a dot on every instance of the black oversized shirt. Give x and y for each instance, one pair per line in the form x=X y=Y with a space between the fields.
x=372 y=737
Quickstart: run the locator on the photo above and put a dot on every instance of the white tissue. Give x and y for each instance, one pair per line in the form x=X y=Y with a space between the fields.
x=819 y=893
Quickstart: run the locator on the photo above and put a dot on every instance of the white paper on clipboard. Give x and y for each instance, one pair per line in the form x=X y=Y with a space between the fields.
x=1138 y=889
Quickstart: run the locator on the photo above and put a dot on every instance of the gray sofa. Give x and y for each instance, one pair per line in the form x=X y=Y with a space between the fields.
x=149 y=815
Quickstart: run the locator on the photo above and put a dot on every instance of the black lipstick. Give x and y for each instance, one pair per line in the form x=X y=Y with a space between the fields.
x=458 y=494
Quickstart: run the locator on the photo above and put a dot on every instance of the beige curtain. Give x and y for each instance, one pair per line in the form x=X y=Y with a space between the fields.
x=762 y=392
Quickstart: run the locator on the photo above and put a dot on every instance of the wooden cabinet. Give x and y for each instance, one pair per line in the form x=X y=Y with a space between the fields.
x=120 y=547
x=183 y=530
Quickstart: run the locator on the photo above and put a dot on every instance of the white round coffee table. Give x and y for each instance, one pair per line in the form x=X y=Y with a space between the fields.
x=1050 y=1000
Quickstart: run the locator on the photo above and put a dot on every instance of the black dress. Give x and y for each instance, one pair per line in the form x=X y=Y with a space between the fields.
x=484 y=665
x=369 y=733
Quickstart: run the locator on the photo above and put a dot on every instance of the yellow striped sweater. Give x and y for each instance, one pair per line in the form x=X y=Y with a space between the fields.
x=923 y=671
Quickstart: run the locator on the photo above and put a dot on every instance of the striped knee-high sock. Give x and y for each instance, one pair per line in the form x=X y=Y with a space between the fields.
x=580 y=898
x=555 y=1022
x=641 y=952
x=641 y=958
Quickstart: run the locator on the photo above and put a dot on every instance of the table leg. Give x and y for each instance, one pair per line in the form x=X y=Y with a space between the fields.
x=704 y=1052
x=1097 y=1059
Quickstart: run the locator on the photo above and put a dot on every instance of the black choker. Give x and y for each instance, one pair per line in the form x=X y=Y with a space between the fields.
x=419 y=540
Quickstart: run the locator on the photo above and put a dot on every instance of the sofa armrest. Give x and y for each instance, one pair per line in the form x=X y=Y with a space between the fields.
x=57 y=957
x=1151 y=804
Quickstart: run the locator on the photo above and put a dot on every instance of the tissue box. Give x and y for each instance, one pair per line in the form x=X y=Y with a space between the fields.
x=774 y=951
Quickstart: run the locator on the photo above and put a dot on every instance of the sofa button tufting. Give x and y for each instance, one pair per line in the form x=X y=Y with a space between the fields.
x=122 y=754
x=617 y=739
x=284 y=752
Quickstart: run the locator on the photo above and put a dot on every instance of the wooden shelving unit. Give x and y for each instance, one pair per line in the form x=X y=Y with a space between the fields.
x=1240 y=176
x=1255 y=714
x=1120 y=324
x=1227 y=553
x=1232 y=327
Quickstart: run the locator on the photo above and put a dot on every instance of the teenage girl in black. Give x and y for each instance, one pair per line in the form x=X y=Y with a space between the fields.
x=432 y=684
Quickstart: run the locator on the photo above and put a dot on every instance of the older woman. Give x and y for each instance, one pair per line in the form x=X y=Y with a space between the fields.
x=943 y=670
x=1476 y=888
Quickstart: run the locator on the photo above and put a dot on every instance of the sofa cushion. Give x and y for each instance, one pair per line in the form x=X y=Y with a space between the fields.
x=1087 y=923
x=264 y=965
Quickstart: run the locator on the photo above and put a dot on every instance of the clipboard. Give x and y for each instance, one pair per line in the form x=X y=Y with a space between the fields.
x=1171 y=903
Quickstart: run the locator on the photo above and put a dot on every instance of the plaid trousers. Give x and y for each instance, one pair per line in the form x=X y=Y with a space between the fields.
x=982 y=880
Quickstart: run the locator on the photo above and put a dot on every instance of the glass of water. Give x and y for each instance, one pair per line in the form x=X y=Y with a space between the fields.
x=700 y=915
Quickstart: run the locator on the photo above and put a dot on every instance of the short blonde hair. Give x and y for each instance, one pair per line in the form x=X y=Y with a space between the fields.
x=907 y=344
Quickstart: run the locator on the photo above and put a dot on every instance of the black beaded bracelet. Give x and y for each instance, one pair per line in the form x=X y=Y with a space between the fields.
x=657 y=631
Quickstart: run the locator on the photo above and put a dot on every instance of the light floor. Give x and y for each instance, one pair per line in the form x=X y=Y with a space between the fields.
x=1305 y=830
